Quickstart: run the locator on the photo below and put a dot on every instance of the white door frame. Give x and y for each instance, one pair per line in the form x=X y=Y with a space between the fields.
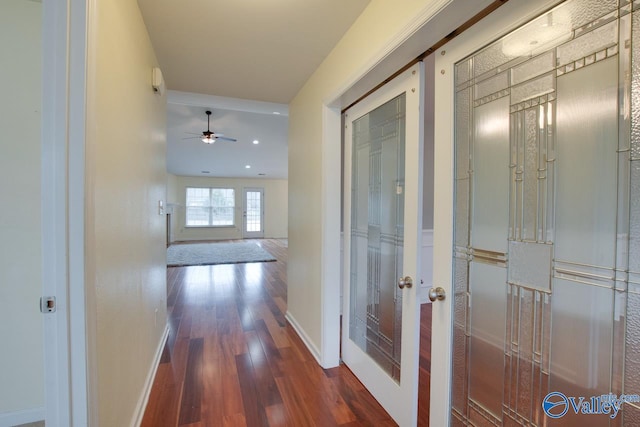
x=65 y=30
x=400 y=400
x=245 y=233
x=413 y=36
x=508 y=17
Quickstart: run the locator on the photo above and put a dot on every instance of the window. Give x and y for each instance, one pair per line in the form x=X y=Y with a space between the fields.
x=210 y=207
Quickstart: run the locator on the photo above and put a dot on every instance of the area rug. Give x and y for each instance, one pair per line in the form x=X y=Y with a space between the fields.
x=216 y=253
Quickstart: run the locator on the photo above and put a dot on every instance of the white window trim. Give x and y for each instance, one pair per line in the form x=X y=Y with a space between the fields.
x=232 y=225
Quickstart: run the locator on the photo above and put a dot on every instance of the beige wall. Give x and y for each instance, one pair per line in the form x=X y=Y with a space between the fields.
x=275 y=213
x=21 y=356
x=374 y=30
x=125 y=235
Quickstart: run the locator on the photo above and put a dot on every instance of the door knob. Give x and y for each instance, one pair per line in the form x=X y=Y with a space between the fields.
x=437 y=294
x=405 y=282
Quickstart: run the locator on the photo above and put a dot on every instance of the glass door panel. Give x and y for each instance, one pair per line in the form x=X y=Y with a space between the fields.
x=547 y=221
x=253 y=213
x=376 y=233
x=380 y=321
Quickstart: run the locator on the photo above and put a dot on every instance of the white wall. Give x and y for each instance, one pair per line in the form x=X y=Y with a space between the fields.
x=172 y=189
x=275 y=209
x=172 y=204
x=125 y=235
x=21 y=357
x=378 y=27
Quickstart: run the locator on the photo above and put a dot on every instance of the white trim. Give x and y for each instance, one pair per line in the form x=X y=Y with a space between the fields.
x=400 y=400
x=54 y=227
x=341 y=272
x=65 y=27
x=427 y=266
x=22 y=417
x=330 y=221
x=222 y=102
x=148 y=384
x=83 y=399
x=308 y=342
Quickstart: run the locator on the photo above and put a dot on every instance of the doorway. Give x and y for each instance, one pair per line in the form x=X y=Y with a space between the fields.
x=253 y=213
x=383 y=224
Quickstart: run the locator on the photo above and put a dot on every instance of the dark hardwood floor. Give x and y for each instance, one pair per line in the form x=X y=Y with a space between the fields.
x=424 y=383
x=231 y=359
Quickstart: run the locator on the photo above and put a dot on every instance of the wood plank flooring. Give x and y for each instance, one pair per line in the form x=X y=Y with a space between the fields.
x=231 y=359
x=424 y=379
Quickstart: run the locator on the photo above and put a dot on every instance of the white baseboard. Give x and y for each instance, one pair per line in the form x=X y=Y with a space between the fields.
x=304 y=337
x=144 y=398
x=10 y=419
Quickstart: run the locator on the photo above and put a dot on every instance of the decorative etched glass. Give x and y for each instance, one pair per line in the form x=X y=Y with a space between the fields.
x=377 y=196
x=587 y=132
x=547 y=290
x=491 y=176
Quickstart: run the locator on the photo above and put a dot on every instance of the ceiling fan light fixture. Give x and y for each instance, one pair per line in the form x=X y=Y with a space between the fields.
x=208 y=136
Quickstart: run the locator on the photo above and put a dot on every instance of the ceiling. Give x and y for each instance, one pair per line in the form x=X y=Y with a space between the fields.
x=192 y=157
x=215 y=54
x=251 y=49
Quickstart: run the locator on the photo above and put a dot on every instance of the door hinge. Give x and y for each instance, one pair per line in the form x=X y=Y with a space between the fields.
x=48 y=304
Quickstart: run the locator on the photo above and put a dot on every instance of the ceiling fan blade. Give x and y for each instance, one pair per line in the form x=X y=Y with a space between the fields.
x=224 y=138
x=193 y=137
x=193 y=133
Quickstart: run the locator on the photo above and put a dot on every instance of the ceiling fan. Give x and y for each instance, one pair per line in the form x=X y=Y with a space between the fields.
x=209 y=137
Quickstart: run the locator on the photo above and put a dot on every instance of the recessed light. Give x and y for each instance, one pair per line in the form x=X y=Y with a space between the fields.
x=206 y=172
x=248 y=166
x=277 y=113
x=255 y=141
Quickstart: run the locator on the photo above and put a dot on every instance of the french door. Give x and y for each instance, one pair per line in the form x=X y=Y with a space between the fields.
x=537 y=232
x=253 y=214
x=382 y=222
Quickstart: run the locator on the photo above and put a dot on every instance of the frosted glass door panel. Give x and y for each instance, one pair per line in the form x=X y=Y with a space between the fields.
x=488 y=317
x=491 y=176
x=377 y=233
x=547 y=219
x=587 y=126
x=585 y=315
